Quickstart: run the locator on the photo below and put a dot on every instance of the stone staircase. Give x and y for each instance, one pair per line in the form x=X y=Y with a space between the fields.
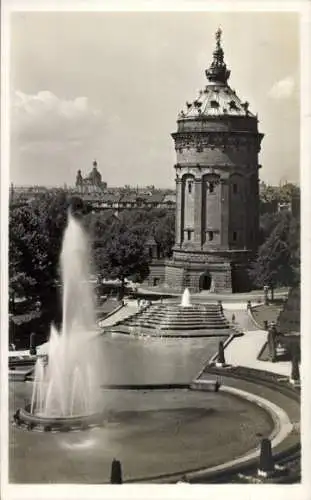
x=173 y=317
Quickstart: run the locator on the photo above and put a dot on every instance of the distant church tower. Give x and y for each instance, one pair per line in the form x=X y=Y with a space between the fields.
x=92 y=183
x=217 y=195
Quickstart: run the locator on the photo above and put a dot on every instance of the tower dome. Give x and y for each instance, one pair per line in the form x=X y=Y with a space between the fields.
x=216 y=98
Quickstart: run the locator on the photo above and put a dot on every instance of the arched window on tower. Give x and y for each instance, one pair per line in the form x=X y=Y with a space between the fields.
x=211 y=187
x=235 y=188
x=190 y=187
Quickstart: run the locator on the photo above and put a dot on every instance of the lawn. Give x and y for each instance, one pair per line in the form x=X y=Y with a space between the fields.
x=268 y=313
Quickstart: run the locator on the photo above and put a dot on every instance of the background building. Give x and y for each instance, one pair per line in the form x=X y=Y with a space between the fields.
x=92 y=183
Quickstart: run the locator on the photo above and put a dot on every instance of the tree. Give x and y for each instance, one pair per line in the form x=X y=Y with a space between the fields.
x=293 y=239
x=158 y=223
x=277 y=262
x=35 y=239
x=27 y=253
x=19 y=286
x=268 y=193
x=122 y=253
x=268 y=223
x=119 y=241
x=282 y=194
x=164 y=233
x=288 y=191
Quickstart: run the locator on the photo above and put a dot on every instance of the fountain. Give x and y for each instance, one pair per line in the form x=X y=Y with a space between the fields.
x=66 y=395
x=170 y=319
x=185 y=299
x=67 y=387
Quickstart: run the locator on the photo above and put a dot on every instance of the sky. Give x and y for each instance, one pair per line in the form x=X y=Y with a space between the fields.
x=109 y=86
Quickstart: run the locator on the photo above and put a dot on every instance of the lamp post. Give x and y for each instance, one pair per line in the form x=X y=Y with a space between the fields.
x=221 y=355
x=32 y=345
x=266 y=462
x=116 y=472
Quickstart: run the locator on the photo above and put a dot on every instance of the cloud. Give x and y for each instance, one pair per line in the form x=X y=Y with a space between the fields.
x=283 y=89
x=46 y=118
x=52 y=137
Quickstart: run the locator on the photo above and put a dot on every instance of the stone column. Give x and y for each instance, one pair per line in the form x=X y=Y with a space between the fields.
x=198 y=211
x=224 y=197
x=179 y=208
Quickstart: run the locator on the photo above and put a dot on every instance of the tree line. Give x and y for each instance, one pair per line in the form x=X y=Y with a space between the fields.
x=277 y=262
x=120 y=245
x=282 y=194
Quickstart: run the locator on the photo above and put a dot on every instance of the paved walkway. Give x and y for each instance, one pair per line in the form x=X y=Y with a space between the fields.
x=242 y=319
x=128 y=310
x=255 y=295
x=243 y=351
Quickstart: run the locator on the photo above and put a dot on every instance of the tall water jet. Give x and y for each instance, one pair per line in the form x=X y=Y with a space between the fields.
x=185 y=300
x=68 y=385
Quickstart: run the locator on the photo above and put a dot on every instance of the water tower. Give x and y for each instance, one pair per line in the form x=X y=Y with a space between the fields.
x=217 y=195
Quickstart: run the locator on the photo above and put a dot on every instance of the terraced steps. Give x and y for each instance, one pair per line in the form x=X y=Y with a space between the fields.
x=169 y=334
x=170 y=318
x=177 y=326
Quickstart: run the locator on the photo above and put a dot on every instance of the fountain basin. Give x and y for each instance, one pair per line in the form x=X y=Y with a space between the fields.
x=184 y=429
x=36 y=422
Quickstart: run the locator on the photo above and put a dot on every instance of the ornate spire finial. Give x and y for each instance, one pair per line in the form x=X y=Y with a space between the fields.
x=218 y=71
x=218 y=37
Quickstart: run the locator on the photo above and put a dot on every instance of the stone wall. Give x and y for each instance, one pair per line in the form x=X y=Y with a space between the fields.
x=181 y=278
x=175 y=276
x=156 y=274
